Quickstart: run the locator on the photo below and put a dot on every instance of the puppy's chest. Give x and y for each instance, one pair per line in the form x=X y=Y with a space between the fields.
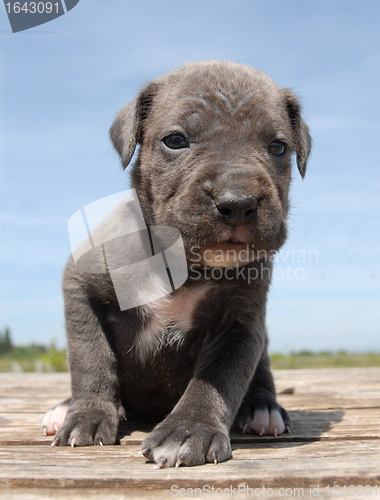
x=168 y=321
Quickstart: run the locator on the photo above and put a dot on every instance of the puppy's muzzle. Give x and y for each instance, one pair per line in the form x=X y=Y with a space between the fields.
x=236 y=195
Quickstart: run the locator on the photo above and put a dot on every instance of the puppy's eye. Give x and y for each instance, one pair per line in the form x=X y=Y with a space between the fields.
x=175 y=141
x=277 y=148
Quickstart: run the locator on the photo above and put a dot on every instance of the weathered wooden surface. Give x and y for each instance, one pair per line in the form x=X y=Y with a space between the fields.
x=335 y=441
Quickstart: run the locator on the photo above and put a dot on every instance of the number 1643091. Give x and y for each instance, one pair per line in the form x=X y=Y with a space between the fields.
x=32 y=7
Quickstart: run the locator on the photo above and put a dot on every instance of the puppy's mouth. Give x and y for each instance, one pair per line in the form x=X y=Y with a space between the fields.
x=230 y=244
x=230 y=251
x=235 y=241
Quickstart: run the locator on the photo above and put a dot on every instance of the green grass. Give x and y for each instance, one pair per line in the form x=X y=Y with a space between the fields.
x=29 y=357
x=307 y=359
x=52 y=359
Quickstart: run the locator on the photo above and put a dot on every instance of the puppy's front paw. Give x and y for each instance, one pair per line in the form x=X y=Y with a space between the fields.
x=88 y=426
x=181 y=441
x=270 y=419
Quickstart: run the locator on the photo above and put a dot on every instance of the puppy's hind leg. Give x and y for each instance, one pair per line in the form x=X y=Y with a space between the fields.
x=259 y=411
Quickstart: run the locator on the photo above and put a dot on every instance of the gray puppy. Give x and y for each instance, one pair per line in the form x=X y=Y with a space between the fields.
x=216 y=141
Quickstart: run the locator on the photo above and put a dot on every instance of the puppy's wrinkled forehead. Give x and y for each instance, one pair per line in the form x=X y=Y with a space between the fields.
x=194 y=96
x=217 y=104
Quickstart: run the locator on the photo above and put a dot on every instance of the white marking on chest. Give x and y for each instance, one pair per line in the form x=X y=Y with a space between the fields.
x=170 y=318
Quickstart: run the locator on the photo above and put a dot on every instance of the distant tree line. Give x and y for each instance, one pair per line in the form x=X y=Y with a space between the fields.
x=8 y=348
x=49 y=358
x=6 y=345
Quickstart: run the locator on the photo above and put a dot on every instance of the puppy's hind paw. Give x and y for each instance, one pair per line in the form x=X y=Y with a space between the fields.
x=54 y=418
x=265 y=421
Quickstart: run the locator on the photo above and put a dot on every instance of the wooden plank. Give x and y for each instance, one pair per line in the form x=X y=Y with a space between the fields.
x=329 y=388
x=277 y=465
x=109 y=494
x=335 y=440
x=88 y=494
x=24 y=428
x=33 y=392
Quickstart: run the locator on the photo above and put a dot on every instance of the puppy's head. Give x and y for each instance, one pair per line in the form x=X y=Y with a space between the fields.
x=216 y=141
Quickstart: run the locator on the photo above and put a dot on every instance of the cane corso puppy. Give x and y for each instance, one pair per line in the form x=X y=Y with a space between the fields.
x=216 y=141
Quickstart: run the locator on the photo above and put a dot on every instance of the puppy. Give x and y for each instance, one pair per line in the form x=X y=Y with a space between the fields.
x=216 y=141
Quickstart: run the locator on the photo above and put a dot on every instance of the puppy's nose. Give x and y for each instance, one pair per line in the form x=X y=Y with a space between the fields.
x=236 y=208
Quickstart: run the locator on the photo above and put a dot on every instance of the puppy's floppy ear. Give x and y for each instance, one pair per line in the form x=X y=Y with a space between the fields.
x=128 y=128
x=301 y=134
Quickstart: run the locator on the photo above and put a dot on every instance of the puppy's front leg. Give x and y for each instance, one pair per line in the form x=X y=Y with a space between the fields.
x=95 y=409
x=197 y=429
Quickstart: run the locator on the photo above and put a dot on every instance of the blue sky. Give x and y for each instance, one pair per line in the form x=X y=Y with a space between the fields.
x=63 y=82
